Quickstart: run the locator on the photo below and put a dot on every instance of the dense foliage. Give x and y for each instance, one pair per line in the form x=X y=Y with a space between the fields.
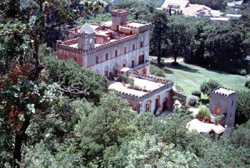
x=207 y=86
x=243 y=107
x=76 y=82
x=55 y=114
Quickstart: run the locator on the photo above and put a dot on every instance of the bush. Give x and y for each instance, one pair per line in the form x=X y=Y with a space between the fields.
x=207 y=86
x=204 y=113
x=157 y=71
x=126 y=79
x=197 y=93
x=193 y=100
x=242 y=72
x=247 y=84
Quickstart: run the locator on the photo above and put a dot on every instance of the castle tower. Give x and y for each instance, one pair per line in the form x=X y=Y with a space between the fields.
x=119 y=18
x=86 y=37
x=223 y=102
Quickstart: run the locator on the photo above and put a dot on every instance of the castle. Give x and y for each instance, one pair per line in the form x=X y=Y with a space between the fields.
x=120 y=47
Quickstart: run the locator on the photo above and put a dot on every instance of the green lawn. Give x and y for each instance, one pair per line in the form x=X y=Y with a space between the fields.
x=189 y=77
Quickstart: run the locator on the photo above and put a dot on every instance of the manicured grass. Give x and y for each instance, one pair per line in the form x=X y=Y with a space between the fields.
x=189 y=77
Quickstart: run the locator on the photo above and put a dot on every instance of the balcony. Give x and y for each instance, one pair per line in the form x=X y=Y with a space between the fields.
x=146 y=63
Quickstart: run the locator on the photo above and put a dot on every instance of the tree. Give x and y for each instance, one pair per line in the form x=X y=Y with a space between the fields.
x=24 y=93
x=179 y=37
x=22 y=98
x=243 y=107
x=158 y=35
x=207 y=86
x=148 y=152
x=29 y=21
x=76 y=82
x=224 y=47
x=106 y=128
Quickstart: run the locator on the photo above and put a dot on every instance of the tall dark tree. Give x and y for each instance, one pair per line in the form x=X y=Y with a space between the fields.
x=159 y=34
x=179 y=38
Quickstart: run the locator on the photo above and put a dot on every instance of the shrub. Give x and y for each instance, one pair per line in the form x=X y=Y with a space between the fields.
x=247 y=84
x=193 y=100
x=207 y=86
x=204 y=112
x=157 y=71
x=242 y=72
x=197 y=93
x=126 y=79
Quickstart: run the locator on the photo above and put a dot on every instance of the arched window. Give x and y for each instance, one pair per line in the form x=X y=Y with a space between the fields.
x=148 y=106
x=107 y=56
x=142 y=43
x=133 y=46
x=124 y=63
x=97 y=60
x=125 y=50
x=116 y=53
x=141 y=58
x=114 y=68
x=217 y=110
x=132 y=63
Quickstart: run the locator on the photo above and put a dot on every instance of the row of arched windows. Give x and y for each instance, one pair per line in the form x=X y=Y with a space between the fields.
x=116 y=53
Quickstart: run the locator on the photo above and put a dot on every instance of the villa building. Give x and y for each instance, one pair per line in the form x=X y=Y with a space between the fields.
x=120 y=47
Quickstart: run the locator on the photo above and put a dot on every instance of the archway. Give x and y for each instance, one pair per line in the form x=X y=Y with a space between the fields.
x=141 y=58
x=132 y=62
x=124 y=63
x=106 y=71
x=165 y=104
x=148 y=106
x=114 y=69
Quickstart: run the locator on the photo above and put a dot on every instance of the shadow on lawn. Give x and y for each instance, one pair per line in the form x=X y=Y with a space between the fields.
x=168 y=71
x=182 y=67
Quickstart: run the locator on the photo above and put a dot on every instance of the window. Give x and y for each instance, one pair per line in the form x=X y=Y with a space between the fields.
x=125 y=50
x=116 y=53
x=107 y=56
x=148 y=106
x=142 y=44
x=133 y=46
x=141 y=59
x=96 y=60
x=133 y=64
x=217 y=110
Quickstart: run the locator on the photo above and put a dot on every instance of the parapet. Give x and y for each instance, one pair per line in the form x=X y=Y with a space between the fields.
x=119 y=12
x=224 y=91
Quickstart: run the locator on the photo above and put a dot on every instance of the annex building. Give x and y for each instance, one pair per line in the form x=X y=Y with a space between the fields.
x=120 y=47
